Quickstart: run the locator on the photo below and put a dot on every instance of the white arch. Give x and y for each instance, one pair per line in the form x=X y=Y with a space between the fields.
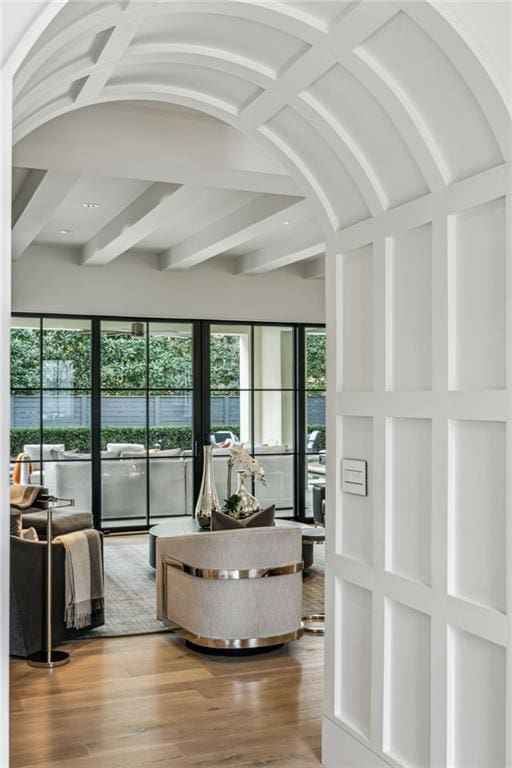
x=311 y=31
x=35 y=104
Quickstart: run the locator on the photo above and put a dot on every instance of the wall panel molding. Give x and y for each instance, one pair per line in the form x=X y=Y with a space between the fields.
x=440 y=463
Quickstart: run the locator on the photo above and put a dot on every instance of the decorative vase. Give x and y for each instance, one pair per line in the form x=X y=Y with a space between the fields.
x=230 y=474
x=248 y=504
x=208 y=499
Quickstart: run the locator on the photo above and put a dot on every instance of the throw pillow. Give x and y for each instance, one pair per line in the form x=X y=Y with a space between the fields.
x=75 y=455
x=29 y=534
x=262 y=519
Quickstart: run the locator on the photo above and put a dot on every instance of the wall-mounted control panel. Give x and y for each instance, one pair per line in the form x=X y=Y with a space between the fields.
x=354 y=476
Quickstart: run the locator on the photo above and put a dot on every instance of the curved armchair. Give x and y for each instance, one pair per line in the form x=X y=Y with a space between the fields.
x=232 y=589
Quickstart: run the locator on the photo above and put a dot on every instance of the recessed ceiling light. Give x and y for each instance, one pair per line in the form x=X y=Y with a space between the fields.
x=286 y=222
x=65 y=231
x=90 y=205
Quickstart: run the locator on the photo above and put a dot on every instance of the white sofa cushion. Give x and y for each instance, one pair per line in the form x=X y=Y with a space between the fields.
x=51 y=451
x=126 y=447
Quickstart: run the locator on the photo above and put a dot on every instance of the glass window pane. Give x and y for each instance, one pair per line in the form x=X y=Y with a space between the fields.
x=123 y=354
x=315 y=414
x=123 y=422
x=170 y=421
x=231 y=417
x=274 y=421
x=170 y=355
x=66 y=353
x=170 y=486
x=123 y=491
x=66 y=423
x=315 y=421
x=25 y=352
x=25 y=424
x=279 y=481
x=70 y=480
x=316 y=358
x=315 y=476
x=220 y=474
x=273 y=357
x=230 y=356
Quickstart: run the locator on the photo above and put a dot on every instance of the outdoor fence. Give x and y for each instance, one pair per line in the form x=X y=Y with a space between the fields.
x=69 y=410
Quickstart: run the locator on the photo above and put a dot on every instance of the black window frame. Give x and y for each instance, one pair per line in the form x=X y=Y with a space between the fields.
x=201 y=394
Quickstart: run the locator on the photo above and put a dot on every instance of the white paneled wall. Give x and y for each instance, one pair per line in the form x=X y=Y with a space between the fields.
x=420 y=608
x=356 y=297
x=409 y=499
x=407 y=685
x=477 y=294
x=410 y=257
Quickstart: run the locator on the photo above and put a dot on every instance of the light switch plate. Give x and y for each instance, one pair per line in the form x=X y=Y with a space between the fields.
x=354 y=476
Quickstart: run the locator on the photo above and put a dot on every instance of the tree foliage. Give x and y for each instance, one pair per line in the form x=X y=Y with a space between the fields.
x=315 y=361
x=125 y=360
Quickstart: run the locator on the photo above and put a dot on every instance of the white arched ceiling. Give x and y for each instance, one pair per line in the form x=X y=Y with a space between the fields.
x=368 y=105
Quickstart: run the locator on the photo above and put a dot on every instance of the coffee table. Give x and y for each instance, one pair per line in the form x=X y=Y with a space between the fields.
x=184 y=525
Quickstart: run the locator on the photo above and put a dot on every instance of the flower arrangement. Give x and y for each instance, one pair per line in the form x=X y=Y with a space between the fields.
x=239 y=455
x=242 y=503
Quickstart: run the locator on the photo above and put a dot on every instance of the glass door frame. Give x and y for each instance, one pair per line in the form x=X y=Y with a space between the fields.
x=201 y=410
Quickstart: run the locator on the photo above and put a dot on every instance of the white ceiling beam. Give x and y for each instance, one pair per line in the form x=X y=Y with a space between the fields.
x=111 y=50
x=302 y=243
x=314 y=269
x=255 y=218
x=148 y=212
x=36 y=202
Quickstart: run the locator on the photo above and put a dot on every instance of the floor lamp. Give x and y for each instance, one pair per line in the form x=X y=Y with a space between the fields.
x=49 y=658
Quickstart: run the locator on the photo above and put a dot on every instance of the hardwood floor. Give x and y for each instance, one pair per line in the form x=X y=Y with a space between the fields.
x=147 y=700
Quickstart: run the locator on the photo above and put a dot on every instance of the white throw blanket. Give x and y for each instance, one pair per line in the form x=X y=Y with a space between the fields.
x=83 y=576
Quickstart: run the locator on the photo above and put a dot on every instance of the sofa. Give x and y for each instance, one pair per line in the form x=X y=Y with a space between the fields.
x=232 y=590
x=123 y=472
x=27 y=597
x=319 y=504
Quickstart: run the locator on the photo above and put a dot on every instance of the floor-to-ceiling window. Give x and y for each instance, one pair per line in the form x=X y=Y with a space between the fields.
x=254 y=385
x=112 y=412
x=51 y=405
x=146 y=384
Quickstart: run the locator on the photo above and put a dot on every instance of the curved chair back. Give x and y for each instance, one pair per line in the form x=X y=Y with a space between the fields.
x=232 y=589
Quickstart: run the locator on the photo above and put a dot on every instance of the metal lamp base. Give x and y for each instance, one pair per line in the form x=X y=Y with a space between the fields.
x=43 y=659
x=50 y=658
x=313 y=623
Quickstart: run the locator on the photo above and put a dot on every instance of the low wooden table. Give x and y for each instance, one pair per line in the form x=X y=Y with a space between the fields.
x=184 y=525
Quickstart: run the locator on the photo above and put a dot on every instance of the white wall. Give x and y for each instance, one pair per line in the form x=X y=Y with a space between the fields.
x=46 y=279
x=419 y=595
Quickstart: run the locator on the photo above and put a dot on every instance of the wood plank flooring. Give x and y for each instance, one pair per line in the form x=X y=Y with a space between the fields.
x=148 y=701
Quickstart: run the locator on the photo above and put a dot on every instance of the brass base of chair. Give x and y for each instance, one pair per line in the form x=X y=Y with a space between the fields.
x=240 y=644
x=233 y=652
x=313 y=618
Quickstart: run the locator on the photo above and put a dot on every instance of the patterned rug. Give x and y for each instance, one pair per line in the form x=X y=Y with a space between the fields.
x=130 y=592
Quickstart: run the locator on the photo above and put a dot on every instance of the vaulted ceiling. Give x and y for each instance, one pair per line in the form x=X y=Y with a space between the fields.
x=241 y=130
x=194 y=190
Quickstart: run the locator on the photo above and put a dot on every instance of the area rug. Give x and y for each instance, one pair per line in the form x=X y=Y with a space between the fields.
x=130 y=592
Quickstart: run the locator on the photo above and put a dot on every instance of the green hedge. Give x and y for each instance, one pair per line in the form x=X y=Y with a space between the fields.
x=72 y=437
x=79 y=438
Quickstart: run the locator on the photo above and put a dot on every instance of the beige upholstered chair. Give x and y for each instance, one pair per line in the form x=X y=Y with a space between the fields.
x=232 y=589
